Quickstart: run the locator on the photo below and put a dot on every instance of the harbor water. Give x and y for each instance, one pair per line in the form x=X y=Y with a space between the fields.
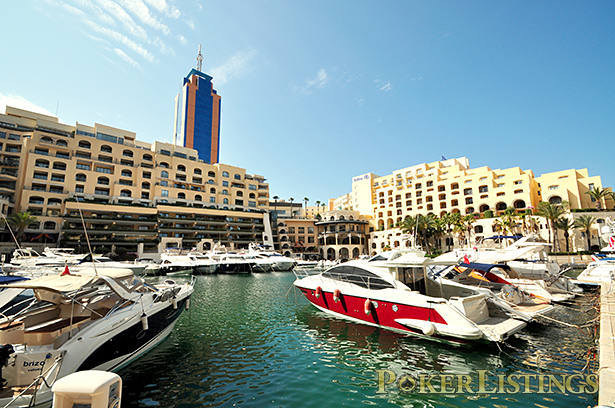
x=253 y=341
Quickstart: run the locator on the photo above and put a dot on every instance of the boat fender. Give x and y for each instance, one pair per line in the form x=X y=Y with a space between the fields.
x=187 y=303
x=318 y=292
x=174 y=302
x=144 y=322
x=428 y=328
x=368 y=307
x=337 y=295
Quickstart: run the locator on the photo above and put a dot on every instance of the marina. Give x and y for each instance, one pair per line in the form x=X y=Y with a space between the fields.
x=275 y=349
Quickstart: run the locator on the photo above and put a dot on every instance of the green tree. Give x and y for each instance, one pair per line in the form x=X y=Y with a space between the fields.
x=449 y=220
x=20 y=221
x=291 y=206
x=551 y=212
x=275 y=205
x=466 y=222
x=584 y=223
x=598 y=194
x=565 y=224
x=305 y=199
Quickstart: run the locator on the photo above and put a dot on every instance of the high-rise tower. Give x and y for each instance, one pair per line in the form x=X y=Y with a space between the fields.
x=197 y=115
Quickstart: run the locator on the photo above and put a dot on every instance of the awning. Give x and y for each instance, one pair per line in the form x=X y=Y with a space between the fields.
x=54 y=283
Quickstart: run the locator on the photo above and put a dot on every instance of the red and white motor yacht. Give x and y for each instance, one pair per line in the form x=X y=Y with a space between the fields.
x=400 y=296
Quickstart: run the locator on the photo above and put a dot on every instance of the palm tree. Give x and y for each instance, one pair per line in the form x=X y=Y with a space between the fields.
x=20 y=221
x=306 y=203
x=275 y=204
x=584 y=223
x=565 y=224
x=291 y=206
x=467 y=222
x=450 y=220
x=598 y=194
x=551 y=212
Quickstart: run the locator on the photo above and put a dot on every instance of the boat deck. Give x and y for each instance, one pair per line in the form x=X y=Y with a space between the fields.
x=500 y=327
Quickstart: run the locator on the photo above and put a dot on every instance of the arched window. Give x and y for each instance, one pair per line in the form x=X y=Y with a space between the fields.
x=555 y=200
x=225 y=201
x=224 y=192
x=103 y=180
x=147 y=157
x=62 y=143
x=36 y=200
x=252 y=195
x=181 y=167
x=46 y=139
x=198 y=171
x=198 y=198
x=164 y=165
x=181 y=196
x=500 y=206
x=478 y=229
x=41 y=163
x=483 y=208
x=164 y=174
x=84 y=144
x=470 y=210
x=126 y=193
x=212 y=190
x=211 y=174
x=519 y=204
x=237 y=177
x=49 y=225
x=145 y=185
x=80 y=177
x=225 y=174
x=59 y=166
x=127 y=153
x=239 y=194
x=106 y=149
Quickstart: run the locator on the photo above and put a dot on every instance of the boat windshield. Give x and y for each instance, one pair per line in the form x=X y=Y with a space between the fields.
x=357 y=276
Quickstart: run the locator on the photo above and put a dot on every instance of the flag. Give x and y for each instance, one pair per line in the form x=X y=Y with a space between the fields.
x=612 y=242
x=465 y=259
x=66 y=272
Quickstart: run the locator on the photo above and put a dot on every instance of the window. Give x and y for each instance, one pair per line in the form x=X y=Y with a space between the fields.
x=469 y=200
x=224 y=192
x=212 y=191
x=80 y=177
x=126 y=173
x=105 y=159
x=42 y=163
x=40 y=176
x=106 y=149
x=164 y=183
x=181 y=168
x=103 y=170
x=482 y=179
x=252 y=186
x=225 y=184
x=100 y=191
x=147 y=175
x=517 y=182
x=79 y=189
x=125 y=193
x=225 y=174
x=145 y=185
x=213 y=200
x=59 y=166
x=57 y=177
x=127 y=153
x=81 y=166
x=61 y=155
x=147 y=157
x=237 y=177
x=224 y=201
x=164 y=165
x=83 y=155
x=164 y=193
x=198 y=198
x=553 y=187
x=181 y=196
x=164 y=174
x=44 y=152
x=103 y=181
x=483 y=189
x=144 y=196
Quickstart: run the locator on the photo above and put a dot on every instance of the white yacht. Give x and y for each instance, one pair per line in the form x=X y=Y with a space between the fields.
x=99 y=320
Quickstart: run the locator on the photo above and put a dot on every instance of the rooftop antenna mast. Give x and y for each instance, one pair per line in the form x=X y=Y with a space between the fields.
x=199 y=59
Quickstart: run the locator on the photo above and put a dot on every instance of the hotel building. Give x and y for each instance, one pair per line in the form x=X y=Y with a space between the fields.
x=197 y=116
x=453 y=186
x=129 y=193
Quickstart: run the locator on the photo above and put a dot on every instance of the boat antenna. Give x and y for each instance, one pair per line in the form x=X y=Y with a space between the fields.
x=87 y=238
x=10 y=229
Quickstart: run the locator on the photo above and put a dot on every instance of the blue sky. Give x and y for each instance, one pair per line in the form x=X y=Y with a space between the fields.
x=316 y=92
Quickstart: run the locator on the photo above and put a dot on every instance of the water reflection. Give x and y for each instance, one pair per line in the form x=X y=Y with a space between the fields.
x=248 y=341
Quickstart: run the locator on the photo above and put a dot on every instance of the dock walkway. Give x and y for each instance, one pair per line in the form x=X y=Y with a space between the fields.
x=606 y=393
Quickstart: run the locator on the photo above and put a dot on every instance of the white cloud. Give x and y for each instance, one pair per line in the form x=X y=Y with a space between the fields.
x=163 y=7
x=126 y=58
x=122 y=16
x=386 y=87
x=20 y=102
x=138 y=48
x=182 y=39
x=138 y=8
x=319 y=82
x=236 y=66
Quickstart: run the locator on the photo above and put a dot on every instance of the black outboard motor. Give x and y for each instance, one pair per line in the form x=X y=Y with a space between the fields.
x=5 y=352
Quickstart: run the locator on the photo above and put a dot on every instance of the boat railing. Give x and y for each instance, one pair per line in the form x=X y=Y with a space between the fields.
x=368 y=282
